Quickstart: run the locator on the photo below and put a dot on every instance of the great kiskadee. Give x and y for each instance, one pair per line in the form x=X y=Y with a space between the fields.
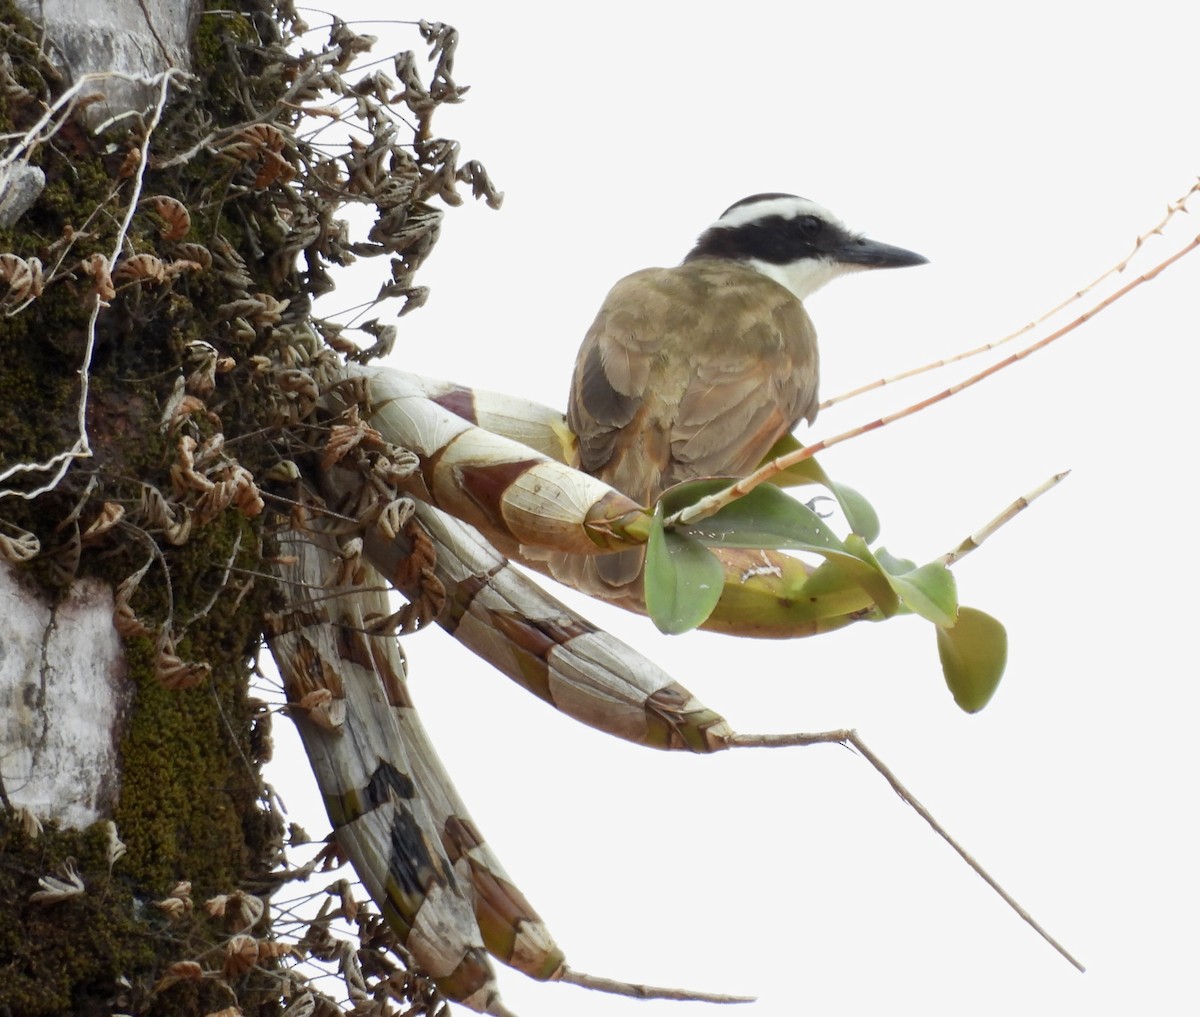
x=696 y=371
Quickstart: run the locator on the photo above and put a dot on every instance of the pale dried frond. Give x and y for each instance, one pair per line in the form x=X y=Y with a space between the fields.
x=53 y=889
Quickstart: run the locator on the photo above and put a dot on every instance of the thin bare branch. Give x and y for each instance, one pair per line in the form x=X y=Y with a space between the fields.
x=636 y=991
x=1020 y=505
x=849 y=737
x=1173 y=209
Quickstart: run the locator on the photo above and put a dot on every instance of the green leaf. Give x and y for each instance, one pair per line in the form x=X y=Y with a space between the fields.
x=832 y=591
x=770 y=519
x=683 y=579
x=973 y=652
x=764 y=518
x=895 y=566
x=859 y=514
x=929 y=591
x=871 y=575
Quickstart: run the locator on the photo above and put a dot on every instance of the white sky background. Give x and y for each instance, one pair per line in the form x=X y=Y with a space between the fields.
x=1022 y=152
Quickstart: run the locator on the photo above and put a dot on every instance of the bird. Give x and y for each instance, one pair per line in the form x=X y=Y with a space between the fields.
x=699 y=369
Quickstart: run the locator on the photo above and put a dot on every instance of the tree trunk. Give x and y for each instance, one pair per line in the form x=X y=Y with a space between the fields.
x=129 y=760
x=161 y=240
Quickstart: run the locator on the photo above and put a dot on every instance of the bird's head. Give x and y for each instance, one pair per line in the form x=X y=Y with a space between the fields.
x=794 y=241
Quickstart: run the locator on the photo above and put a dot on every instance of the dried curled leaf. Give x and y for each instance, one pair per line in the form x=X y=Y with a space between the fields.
x=258 y=308
x=397 y=466
x=246 y=496
x=344 y=891
x=264 y=144
x=181 y=971
x=254 y=139
x=125 y=620
x=197 y=254
x=96 y=268
x=173 y=672
x=179 y=405
x=474 y=174
x=175 y=908
x=234 y=486
x=110 y=514
x=311 y=700
x=347 y=436
x=271 y=949
x=240 y=910
x=323 y=709
x=230 y=266
x=22 y=547
x=184 y=475
x=114 y=847
x=393 y=516
x=140 y=268
x=241 y=954
x=54 y=889
x=23 y=277
x=181 y=265
x=203 y=380
x=269 y=310
x=174 y=214
x=28 y=823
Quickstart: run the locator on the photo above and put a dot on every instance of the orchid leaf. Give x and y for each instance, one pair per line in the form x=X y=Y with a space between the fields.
x=683 y=579
x=768 y=518
x=973 y=652
x=929 y=590
x=765 y=517
x=858 y=511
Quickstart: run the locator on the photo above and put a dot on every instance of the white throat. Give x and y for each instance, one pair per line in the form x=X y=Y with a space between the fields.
x=802 y=278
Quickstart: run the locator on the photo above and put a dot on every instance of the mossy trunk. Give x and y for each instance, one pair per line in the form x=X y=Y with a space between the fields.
x=97 y=743
x=161 y=386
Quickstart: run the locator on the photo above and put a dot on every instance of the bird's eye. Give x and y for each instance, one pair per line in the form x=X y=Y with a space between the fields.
x=811 y=225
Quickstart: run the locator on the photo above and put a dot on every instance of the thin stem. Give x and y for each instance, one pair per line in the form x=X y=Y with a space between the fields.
x=1177 y=206
x=849 y=737
x=973 y=541
x=636 y=991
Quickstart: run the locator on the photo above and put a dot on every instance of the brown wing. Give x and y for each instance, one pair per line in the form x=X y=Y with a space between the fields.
x=617 y=407
x=688 y=372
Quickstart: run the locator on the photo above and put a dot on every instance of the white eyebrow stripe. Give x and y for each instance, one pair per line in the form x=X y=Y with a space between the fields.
x=788 y=208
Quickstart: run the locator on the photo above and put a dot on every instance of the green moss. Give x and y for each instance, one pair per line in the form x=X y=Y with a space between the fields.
x=187 y=808
x=45 y=971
